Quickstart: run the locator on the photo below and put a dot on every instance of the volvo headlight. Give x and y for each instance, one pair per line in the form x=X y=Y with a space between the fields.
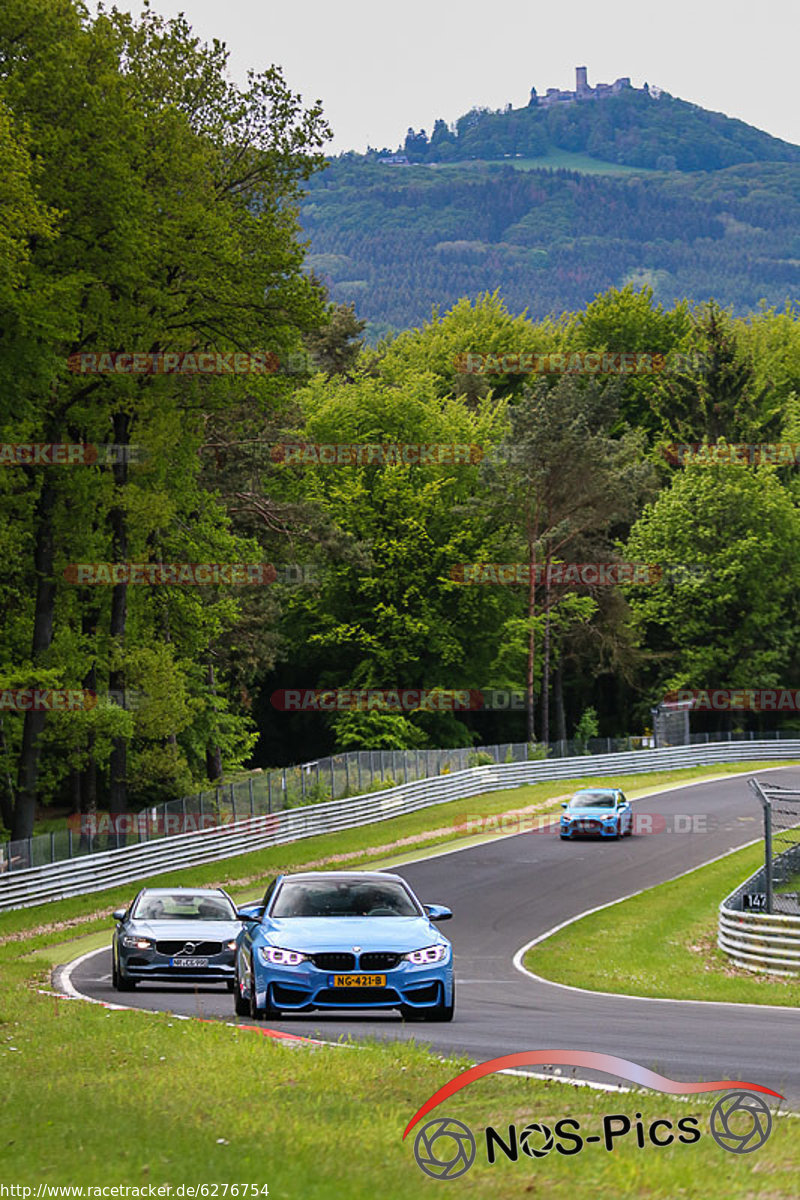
x=274 y=956
x=138 y=943
x=429 y=954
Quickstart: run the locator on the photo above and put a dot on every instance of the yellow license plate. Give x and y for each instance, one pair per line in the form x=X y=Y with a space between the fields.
x=358 y=981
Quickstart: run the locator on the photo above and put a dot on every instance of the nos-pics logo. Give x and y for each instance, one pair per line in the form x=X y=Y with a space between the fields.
x=446 y=1148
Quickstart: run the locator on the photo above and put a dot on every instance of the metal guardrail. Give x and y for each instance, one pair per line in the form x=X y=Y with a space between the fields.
x=351 y=773
x=340 y=776
x=758 y=941
x=759 y=922
x=97 y=872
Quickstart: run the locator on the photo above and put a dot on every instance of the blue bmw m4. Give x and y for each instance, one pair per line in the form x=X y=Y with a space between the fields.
x=337 y=940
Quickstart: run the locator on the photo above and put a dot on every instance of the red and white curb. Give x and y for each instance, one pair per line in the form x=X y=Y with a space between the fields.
x=62 y=980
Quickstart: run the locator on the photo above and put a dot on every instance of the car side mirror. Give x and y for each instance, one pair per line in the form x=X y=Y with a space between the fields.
x=438 y=912
x=247 y=914
x=118 y=914
x=563 y=804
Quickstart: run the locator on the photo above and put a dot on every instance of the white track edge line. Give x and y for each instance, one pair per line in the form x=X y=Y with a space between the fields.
x=64 y=972
x=523 y=950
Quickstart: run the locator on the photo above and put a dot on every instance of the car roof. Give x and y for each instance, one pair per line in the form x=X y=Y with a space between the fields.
x=359 y=876
x=181 y=891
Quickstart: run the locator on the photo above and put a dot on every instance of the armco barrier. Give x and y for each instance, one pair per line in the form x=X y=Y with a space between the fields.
x=755 y=940
x=96 y=872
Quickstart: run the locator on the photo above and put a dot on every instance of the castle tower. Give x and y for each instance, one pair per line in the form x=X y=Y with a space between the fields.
x=581 y=85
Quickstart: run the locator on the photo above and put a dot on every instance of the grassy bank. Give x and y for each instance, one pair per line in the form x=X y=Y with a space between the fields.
x=93 y=1096
x=103 y=1097
x=663 y=944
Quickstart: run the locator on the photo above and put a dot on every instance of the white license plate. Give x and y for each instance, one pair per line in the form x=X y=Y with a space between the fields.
x=356 y=981
x=188 y=962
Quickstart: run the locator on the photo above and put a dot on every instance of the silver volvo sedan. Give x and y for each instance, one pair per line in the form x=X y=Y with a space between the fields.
x=175 y=935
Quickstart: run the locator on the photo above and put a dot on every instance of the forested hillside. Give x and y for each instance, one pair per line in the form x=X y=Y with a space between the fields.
x=631 y=128
x=397 y=241
x=212 y=493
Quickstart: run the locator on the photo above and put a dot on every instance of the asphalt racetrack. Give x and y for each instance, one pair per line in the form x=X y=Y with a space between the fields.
x=507 y=892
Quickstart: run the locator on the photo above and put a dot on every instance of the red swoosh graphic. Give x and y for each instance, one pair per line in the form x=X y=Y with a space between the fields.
x=609 y=1063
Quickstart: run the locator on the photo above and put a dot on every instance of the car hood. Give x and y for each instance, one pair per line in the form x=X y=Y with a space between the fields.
x=192 y=931
x=312 y=934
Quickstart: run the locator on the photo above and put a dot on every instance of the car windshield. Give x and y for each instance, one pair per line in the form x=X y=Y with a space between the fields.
x=186 y=906
x=343 y=898
x=593 y=800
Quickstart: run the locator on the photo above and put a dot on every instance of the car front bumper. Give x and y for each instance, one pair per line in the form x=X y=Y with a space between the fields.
x=589 y=828
x=143 y=964
x=306 y=987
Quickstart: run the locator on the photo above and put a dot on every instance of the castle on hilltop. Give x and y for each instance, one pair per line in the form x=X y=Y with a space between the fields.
x=583 y=91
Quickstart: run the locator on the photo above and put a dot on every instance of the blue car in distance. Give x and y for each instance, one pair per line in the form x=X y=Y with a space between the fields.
x=341 y=940
x=602 y=812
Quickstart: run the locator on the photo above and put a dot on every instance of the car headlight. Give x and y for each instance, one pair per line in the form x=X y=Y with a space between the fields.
x=276 y=957
x=429 y=954
x=231 y=945
x=138 y=943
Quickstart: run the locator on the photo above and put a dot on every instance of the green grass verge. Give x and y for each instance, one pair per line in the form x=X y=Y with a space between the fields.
x=98 y=1097
x=663 y=943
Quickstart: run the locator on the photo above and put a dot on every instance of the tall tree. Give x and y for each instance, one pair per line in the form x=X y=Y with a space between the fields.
x=566 y=478
x=725 y=616
x=176 y=195
x=717 y=395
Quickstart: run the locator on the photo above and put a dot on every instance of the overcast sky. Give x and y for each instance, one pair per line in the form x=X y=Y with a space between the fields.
x=379 y=68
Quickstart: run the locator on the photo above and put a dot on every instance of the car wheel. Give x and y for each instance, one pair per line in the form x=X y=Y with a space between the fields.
x=256 y=1013
x=442 y=1012
x=120 y=982
x=241 y=1004
x=618 y=833
x=411 y=1014
x=269 y=1009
